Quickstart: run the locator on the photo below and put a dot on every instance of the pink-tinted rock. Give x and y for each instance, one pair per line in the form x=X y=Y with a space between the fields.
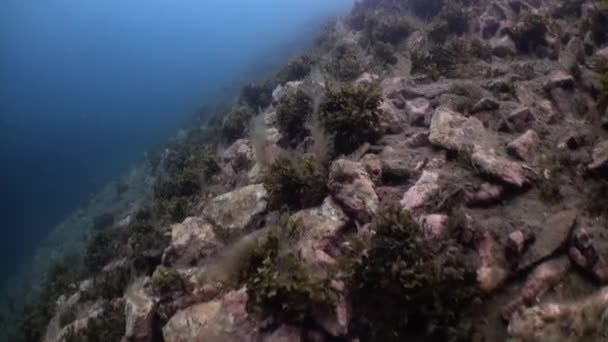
x=503 y=169
x=418 y=111
x=219 y=320
x=424 y=189
x=487 y=193
x=544 y=277
x=600 y=156
x=285 y=333
x=490 y=274
x=578 y=320
x=524 y=146
x=589 y=250
x=373 y=166
x=352 y=187
x=517 y=242
x=140 y=310
x=435 y=225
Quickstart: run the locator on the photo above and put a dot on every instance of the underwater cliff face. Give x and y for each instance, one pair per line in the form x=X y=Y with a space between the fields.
x=426 y=170
x=87 y=87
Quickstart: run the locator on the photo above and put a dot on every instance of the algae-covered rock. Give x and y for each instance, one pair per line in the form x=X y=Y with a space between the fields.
x=353 y=188
x=455 y=132
x=191 y=241
x=234 y=212
x=224 y=319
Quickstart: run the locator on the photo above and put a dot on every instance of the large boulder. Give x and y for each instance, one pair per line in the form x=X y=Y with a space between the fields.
x=503 y=46
x=582 y=320
x=239 y=155
x=140 y=309
x=191 y=241
x=352 y=187
x=456 y=132
x=235 y=212
x=550 y=237
x=224 y=319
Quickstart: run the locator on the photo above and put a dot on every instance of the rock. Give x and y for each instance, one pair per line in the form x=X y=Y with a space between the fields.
x=524 y=146
x=321 y=227
x=544 y=277
x=488 y=26
x=486 y=194
x=417 y=140
x=435 y=226
x=600 y=156
x=429 y=91
x=485 y=104
x=191 y=241
x=218 y=320
x=285 y=333
x=455 y=132
x=490 y=274
x=366 y=79
x=572 y=321
x=418 y=111
x=235 y=212
x=352 y=187
x=589 y=250
x=140 y=311
x=424 y=189
x=503 y=46
x=518 y=120
x=395 y=169
x=373 y=166
x=334 y=320
x=572 y=55
x=517 y=242
x=239 y=155
x=559 y=79
x=503 y=169
x=391 y=121
x=551 y=236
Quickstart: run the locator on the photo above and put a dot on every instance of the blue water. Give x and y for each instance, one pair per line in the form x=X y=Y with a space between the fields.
x=86 y=87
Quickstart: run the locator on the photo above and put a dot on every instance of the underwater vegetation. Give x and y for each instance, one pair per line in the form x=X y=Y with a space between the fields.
x=293 y=110
x=109 y=326
x=422 y=288
x=295 y=183
x=351 y=115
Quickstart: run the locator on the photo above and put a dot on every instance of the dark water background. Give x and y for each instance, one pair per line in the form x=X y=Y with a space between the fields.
x=86 y=87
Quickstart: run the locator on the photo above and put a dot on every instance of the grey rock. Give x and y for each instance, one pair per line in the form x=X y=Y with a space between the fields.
x=485 y=104
x=502 y=169
x=552 y=235
x=233 y=213
x=191 y=241
x=559 y=79
x=455 y=132
x=140 y=309
x=572 y=55
x=503 y=46
x=600 y=156
x=352 y=187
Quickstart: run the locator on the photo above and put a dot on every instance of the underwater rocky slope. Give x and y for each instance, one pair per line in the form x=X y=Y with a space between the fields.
x=430 y=171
